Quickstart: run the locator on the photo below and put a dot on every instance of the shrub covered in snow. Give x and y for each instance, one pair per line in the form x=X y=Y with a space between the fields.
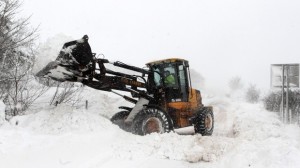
x=273 y=100
x=23 y=95
x=67 y=92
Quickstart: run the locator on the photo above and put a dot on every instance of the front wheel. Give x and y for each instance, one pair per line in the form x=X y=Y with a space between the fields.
x=150 y=120
x=119 y=119
x=204 y=123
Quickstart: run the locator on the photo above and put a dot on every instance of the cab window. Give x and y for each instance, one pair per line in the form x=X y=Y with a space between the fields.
x=183 y=83
x=157 y=77
x=170 y=79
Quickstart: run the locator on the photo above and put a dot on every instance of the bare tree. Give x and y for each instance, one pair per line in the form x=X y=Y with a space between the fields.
x=252 y=94
x=235 y=83
x=16 y=38
x=21 y=89
x=16 y=56
x=24 y=91
x=14 y=31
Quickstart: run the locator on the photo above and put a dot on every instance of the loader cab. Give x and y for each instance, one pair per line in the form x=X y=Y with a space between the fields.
x=172 y=77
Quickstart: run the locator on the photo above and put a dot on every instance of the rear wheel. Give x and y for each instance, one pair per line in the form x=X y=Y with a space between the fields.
x=119 y=119
x=150 y=120
x=204 y=123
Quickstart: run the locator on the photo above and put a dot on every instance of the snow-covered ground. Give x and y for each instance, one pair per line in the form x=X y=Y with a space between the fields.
x=245 y=135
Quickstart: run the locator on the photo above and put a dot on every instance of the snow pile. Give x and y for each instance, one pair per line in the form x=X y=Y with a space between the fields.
x=63 y=119
x=2 y=112
x=245 y=136
x=104 y=103
x=173 y=146
x=224 y=114
x=188 y=148
x=261 y=140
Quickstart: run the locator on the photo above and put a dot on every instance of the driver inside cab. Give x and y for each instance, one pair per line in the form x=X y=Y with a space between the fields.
x=169 y=78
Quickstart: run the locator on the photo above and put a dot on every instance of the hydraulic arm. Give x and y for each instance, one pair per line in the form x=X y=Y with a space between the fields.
x=76 y=62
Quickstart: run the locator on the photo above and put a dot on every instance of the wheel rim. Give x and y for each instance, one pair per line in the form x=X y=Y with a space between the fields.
x=208 y=122
x=151 y=125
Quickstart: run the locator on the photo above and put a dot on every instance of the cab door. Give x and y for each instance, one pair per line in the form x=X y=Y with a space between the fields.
x=180 y=105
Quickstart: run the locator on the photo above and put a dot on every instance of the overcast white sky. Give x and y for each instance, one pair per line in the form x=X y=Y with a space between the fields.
x=220 y=38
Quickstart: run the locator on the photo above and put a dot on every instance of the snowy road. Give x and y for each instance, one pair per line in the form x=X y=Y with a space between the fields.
x=245 y=136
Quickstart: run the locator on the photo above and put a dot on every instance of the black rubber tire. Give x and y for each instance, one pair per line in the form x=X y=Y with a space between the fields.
x=119 y=119
x=200 y=126
x=140 y=122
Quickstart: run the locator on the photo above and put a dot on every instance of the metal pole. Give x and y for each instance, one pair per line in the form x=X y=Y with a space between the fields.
x=287 y=95
x=282 y=96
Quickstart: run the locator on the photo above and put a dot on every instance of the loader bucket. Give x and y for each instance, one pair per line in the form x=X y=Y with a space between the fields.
x=73 y=60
